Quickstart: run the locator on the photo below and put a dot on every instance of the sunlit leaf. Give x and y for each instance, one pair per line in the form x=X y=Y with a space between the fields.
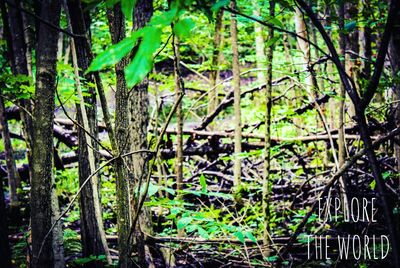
x=239 y=236
x=203 y=183
x=183 y=27
x=127 y=8
x=183 y=222
x=202 y=232
x=113 y=54
x=219 y=4
x=250 y=236
x=142 y=63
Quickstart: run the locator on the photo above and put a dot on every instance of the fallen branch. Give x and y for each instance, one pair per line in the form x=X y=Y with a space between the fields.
x=228 y=101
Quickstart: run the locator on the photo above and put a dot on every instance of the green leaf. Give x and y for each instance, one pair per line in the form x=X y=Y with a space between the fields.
x=153 y=189
x=127 y=8
x=168 y=190
x=219 y=4
x=250 y=236
x=113 y=54
x=203 y=183
x=202 y=232
x=350 y=26
x=239 y=236
x=372 y=185
x=183 y=27
x=386 y=175
x=165 y=18
x=142 y=63
x=272 y=41
x=183 y=222
x=274 y=21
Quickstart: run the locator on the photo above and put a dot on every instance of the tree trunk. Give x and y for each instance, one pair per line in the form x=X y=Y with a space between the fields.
x=212 y=94
x=131 y=122
x=304 y=46
x=261 y=60
x=394 y=57
x=267 y=157
x=5 y=258
x=93 y=234
x=117 y=30
x=179 y=119
x=19 y=64
x=47 y=251
x=13 y=176
x=352 y=46
x=342 y=95
x=236 y=88
x=138 y=105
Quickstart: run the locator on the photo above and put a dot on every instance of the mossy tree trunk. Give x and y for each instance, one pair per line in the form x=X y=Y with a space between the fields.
x=46 y=251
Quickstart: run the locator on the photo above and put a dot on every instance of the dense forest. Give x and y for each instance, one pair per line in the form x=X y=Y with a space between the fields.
x=195 y=133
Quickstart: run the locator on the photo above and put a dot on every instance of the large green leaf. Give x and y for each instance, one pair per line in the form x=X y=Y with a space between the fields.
x=113 y=54
x=127 y=8
x=183 y=28
x=165 y=18
x=142 y=62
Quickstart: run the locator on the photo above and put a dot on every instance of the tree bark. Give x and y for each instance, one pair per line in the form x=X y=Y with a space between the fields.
x=47 y=251
x=236 y=88
x=131 y=122
x=93 y=234
x=19 y=64
x=13 y=176
x=179 y=119
x=138 y=105
x=267 y=157
x=5 y=259
x=342 y=141
x=117 y=29
x=394 y=57
x=261 y=60
x=212 y=94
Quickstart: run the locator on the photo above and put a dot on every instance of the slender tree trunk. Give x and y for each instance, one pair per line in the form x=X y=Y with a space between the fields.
x=267 y=157
x=19 y=64
x=44 y=203
x=342 y=95
x=365 y=42
x=13 y=176
x=304 y=46
x=294 y=100
x=131 y=124
x=117 y=30
x=261 y=60
x=179 y=119
x=236 y=87
x=93 y=234
x=138 y=105
x=5 y=258
x=352 y=46
x=394 y=57
x=213 y=93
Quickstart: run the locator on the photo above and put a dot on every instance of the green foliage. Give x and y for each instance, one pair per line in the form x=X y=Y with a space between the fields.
x=127 y=7
x=150 y=41
x=113 y=54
